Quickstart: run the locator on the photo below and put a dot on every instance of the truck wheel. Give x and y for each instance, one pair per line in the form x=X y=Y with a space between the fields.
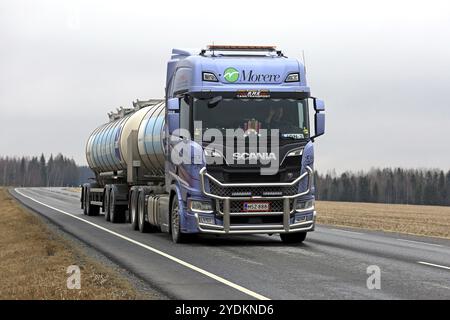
x=107 y=204
x=175 y=229
x=143 y=225
x=92 y=210
x=85 y=200
x=82 y=199
x=133 y=210
x=116 y=213
x=89 y=209
x=296 y=237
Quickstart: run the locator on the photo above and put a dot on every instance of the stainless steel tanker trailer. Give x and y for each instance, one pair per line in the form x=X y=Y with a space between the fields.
x=125 y=151
x=253 y=88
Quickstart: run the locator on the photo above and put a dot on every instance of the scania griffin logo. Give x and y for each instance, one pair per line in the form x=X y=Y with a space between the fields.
x=265 y=156
x=231 y=74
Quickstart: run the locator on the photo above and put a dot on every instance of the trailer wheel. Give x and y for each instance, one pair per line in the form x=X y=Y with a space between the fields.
x=85 y=200
x=296 y=237
x=89 y=209
x=133 y=209
x=144 y=226
x=92 y=210
x=116 y=213
x=107 y=204
x=82 y=199
x=177 y=236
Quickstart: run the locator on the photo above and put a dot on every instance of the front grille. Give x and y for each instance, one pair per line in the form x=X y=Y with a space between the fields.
x=231 y=174
x=237 y=206
x=248 y=191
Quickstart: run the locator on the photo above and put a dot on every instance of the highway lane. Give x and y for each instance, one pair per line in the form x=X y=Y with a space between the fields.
x=331 y=264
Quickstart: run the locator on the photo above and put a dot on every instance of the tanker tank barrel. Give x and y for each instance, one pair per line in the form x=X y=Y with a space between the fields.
x=106 y=148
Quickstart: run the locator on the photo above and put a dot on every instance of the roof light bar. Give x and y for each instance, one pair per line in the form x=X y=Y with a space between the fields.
x=241 y=48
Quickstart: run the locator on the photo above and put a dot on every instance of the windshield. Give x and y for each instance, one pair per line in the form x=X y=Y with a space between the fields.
x=289 y=116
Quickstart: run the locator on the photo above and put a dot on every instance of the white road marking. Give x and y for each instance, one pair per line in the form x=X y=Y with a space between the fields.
x=352 y=232
x=434 y=265
x=405 y=240
x=168 y=256
x=420 y=242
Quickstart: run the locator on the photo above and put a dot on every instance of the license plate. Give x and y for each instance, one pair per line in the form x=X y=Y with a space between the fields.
x=256 y=206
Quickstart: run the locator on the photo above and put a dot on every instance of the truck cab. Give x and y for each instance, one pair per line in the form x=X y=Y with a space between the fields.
x=238 y=143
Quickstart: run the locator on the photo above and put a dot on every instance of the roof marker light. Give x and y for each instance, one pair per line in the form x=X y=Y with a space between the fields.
x=208 y=76
x=293 y=77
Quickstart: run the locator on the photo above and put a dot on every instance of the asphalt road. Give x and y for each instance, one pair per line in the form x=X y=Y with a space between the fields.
x=331 y=264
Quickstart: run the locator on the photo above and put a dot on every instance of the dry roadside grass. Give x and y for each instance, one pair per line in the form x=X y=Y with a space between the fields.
x=413 y=219
x=34 y=261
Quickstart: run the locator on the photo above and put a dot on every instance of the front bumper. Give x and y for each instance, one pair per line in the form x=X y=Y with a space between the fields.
x=304 y=226
x=288 y=212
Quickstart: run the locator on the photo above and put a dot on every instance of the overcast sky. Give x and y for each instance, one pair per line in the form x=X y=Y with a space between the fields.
x=382 y=67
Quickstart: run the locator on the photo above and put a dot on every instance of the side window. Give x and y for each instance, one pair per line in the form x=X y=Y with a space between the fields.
x=184 y=115
x=181 y=80
x=170 y=89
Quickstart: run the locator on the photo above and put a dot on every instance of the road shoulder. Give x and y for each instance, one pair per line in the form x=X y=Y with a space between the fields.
x=36 y=256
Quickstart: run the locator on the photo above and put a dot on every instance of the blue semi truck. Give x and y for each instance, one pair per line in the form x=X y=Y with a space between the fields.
x=228 y=151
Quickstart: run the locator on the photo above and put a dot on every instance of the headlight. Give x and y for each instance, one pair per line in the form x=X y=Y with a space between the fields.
x=200 y=206
x=294 y=153
x=303 y=206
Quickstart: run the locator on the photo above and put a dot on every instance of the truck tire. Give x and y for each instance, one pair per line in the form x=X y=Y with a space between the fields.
x=82 y=198
x=107 y=206
x=92 y=210
x=143 y=225
x=296 y=237
x=133 y=209
x=116 y=212
x=85 y=200
x=89 y=209
x=175 y=228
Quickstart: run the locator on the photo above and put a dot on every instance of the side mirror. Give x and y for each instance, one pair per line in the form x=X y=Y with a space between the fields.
x=319 y=124
x=319 y=118
x=173 y=104
x=173 y=122
x=319 y=105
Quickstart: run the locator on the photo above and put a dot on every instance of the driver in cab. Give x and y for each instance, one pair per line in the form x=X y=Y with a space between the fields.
x=275 y=118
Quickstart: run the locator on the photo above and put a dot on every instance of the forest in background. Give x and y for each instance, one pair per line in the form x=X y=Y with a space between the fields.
x=400 y=186
x=58 y=171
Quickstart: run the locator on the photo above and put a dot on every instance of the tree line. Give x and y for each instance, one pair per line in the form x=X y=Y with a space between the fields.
x=36 y=171
x=402 y=186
